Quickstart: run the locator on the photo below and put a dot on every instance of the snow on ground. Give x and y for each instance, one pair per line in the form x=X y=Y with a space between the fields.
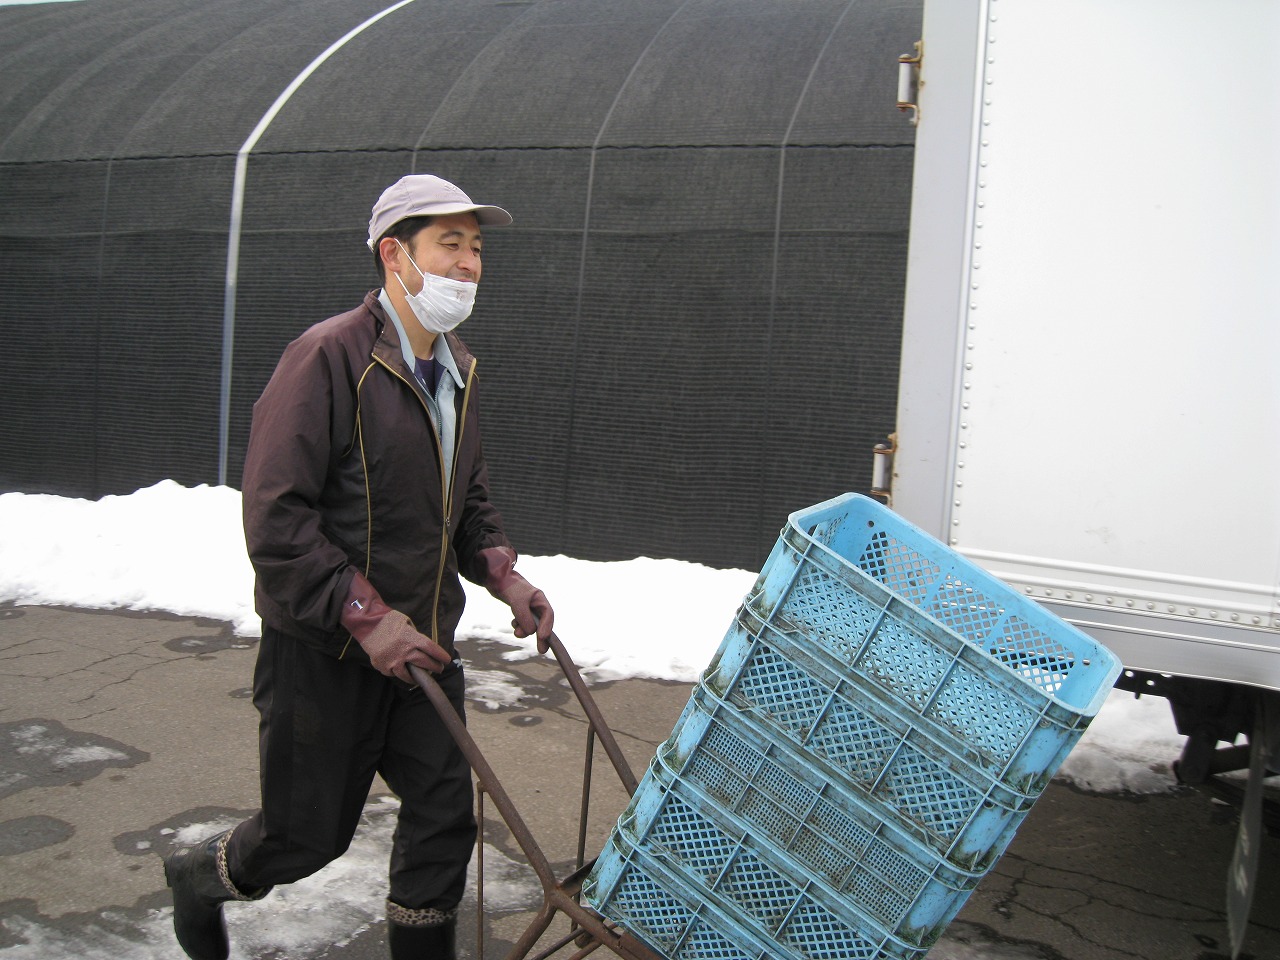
x=303 y=919
x=180 y=550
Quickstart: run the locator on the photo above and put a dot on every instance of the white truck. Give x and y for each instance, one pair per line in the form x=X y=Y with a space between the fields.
x=1089 y=402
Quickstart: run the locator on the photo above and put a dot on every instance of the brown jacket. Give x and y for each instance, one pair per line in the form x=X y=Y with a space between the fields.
x=343 y=473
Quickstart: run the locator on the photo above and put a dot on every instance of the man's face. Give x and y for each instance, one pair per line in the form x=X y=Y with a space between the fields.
x=448 y=247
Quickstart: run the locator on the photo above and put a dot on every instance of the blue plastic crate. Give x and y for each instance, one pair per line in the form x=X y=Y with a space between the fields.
x=664 y=913
x=988 y=671
x=716 y=789
x=747 y=905
x=880 y=758
x=876 y=724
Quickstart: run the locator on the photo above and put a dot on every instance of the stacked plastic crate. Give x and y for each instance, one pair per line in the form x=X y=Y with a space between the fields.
x=878 y=720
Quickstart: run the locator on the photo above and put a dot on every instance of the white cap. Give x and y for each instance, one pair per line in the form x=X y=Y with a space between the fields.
x=422 y=195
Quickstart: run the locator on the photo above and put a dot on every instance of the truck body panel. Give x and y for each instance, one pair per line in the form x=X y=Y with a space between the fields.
x=1089 y=403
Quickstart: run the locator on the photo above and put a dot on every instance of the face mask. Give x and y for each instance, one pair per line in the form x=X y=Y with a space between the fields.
x=442 y=303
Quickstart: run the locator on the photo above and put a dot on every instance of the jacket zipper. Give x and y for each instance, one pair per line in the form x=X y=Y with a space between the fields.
x=448 y=501
x=445 y=487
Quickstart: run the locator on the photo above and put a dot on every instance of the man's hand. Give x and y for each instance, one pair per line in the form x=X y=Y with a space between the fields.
x=388 y=636
x=531 y=612
x=394 y=644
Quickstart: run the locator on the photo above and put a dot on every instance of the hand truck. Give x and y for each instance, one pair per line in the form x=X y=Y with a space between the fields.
x=589 y=931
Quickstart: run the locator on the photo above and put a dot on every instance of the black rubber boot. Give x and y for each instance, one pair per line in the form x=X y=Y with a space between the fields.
x=422 y=943
x=201 y=885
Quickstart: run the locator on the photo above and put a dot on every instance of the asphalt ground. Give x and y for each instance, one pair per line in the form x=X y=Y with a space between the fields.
x=122 y=732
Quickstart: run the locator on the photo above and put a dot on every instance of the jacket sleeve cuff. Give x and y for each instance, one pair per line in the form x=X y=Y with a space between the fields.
x=363 y=609
x=496 y=567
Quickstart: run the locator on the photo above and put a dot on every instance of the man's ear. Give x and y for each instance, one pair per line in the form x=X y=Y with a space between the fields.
x=392 y=256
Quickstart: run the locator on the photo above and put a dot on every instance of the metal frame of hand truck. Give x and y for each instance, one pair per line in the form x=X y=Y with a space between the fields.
x=589 y=931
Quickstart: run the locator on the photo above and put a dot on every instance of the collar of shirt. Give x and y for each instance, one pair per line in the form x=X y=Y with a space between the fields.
x=441 y=350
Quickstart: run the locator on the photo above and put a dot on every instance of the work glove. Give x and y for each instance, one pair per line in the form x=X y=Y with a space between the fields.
x=530 y=610
x=388 y=636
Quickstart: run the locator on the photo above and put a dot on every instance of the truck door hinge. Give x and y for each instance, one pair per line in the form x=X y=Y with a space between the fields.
x=882 y=470
x=909 y=82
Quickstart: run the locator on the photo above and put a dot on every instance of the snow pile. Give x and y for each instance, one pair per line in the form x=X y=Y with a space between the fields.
x=180 y=550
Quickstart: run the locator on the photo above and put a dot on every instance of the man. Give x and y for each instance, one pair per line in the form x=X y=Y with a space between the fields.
x=365 y=496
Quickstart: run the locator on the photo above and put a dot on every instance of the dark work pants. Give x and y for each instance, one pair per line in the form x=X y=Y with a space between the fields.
x=326 y=726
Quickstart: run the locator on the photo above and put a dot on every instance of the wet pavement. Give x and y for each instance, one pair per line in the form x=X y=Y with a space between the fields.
x=123 y=735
